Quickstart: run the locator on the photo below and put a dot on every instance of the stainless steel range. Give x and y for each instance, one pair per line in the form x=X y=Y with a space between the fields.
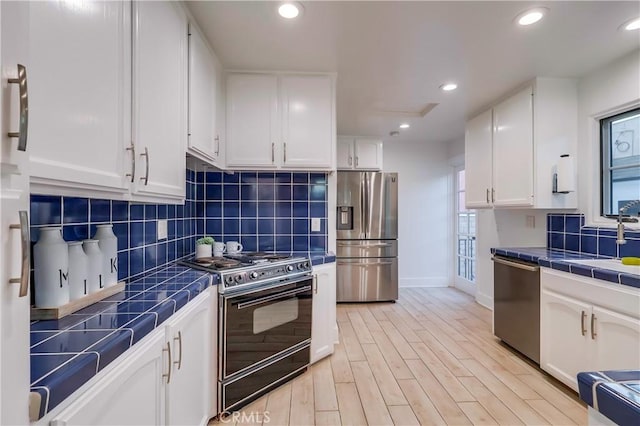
x=264 y=323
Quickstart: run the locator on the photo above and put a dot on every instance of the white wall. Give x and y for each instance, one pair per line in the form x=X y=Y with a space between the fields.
x=424 y=212
x=606 y=91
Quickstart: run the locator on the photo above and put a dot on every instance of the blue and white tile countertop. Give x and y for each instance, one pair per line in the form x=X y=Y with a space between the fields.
x=557 y=259
x=66 y=353
x=615 y=394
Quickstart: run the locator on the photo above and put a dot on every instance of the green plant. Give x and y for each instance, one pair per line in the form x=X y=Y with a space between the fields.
x=205 y=240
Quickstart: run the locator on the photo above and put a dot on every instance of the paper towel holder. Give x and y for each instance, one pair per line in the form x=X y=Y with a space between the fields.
x=555 y=179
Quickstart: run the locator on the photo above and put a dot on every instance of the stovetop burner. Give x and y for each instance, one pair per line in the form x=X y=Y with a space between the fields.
x=251 y=269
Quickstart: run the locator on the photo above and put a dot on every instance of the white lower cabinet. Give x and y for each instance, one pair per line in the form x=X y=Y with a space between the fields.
x=324 y=329
x=165 y=379
x=189 y=334
x=133 y=393
x=587 y=325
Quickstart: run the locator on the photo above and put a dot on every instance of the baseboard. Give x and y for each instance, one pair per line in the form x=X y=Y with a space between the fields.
x=484 y=300
x=424 y=282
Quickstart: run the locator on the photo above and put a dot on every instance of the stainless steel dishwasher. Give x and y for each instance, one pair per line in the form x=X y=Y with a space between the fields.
x=516 y=305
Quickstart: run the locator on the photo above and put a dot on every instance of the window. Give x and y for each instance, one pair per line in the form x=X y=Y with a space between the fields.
x=620 y=162
x=465 y=234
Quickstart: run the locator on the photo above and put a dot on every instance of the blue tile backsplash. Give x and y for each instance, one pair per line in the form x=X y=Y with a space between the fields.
x=567 y=232
x=264 y=211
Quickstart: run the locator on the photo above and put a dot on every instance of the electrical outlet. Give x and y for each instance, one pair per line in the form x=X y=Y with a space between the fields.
x=162 y=229
x=530 y=221
x=315 y=224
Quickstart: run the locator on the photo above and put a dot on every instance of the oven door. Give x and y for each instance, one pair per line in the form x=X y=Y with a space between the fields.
x=260 y=323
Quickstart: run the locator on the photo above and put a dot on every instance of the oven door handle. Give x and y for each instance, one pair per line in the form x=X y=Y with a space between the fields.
x=266 y=299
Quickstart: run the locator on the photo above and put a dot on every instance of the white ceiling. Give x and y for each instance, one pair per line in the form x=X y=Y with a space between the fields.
x=395 y=54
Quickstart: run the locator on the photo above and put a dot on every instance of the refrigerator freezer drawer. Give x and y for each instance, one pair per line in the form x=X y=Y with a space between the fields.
x=367 y=280
x=367 y=248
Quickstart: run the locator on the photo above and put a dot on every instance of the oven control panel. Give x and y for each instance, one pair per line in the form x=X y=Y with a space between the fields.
x=271 y=271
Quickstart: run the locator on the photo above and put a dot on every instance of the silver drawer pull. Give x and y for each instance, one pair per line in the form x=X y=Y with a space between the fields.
x=132 y=175
x=364 y=264
x=23 y=126
x=26 y=253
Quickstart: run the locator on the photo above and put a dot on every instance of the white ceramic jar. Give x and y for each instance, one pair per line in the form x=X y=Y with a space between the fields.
x=108 y=243
x=78 y=276
x=51 y=269
x=95 y=280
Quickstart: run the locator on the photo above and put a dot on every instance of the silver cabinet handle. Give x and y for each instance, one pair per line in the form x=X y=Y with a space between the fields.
x=217 y=139
x=583 y=329
x=516 y=264
x=273 y=152
x=593 y=327
x=26 y=253
x=356 y=161
x=493 y=195
x=168 y=351
x=21 y=134
x=132 y=175
x=285 y=153
x=350 y=160
x=146 y=173
x=487 y=195
x=179 y=340
x=315 y=284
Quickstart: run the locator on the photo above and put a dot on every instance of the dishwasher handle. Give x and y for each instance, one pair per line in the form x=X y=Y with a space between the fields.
x=518 y=265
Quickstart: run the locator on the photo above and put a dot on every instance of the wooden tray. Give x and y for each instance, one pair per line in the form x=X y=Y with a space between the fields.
x=75 y=305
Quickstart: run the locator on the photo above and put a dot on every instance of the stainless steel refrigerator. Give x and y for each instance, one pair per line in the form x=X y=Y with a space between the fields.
x=367 y=236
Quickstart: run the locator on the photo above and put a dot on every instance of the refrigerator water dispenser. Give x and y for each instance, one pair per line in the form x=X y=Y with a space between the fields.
x=345 y=218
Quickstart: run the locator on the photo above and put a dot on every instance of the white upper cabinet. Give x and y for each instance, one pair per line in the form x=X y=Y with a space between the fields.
x=160 y=99
x=283 y=121
x=79 y=84
x=307 y=121
x=359 y=153
x=252 y=120
x=478 y=161
x=512 y=150
x=206 y=100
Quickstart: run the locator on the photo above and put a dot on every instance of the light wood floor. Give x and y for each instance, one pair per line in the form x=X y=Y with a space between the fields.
x=429 y=359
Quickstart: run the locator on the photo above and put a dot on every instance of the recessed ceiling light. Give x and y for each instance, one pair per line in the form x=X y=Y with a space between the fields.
x=631 y=25
x=447 y=87
x=405 y=126
x=290 y=10
x=531 y=16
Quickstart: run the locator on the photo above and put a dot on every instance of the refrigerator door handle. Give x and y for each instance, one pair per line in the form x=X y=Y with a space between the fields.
x=364 y=264
x=363 y=206
x=360 y=244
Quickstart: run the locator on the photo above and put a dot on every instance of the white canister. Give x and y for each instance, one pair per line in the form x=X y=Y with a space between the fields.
x=95 y=280
x=108 y=243
x=78 y=278
x=51 y=269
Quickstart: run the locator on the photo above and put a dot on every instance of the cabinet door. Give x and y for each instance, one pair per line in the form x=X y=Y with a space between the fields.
x=344 y=153
x=252 y=121
x=616 y=341
x=190 y=332
x=513 y=150
x=368 y=154
x=477 y=151
x=14 y=197
x=79 y=81
x=133 y=393
x=160 y=103
x=564 y=337
x=323 y=330
x=205 y=73
x=308 y=130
